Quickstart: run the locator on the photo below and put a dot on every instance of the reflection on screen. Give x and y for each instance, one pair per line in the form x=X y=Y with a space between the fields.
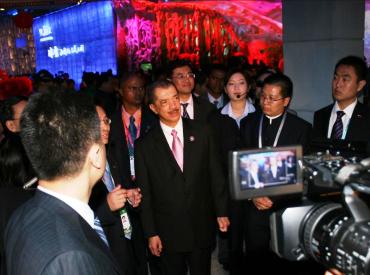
x=267 y=169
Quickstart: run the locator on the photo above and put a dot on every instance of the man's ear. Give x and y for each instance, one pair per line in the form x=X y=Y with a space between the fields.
x=286 y=101
x=11 y=126
x=97 y=156
x=361 y=84
x=152 y=107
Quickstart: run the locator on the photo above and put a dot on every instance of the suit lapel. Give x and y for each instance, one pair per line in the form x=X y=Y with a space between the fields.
x=326 y=120
x=197 y=109
x=189 y=139
x=163 y=148
x=355 y=123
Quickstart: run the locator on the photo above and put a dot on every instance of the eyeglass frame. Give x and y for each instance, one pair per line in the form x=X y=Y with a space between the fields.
x=106 y=121
x=270 y=100
x=184 y=76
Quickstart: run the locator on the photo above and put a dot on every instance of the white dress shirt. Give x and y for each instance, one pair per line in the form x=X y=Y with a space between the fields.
x=167 y=132
x=348 y=111
x=189 y=108
x=83 y=209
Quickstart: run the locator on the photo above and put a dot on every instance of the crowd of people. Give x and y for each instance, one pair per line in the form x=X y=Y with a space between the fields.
x=130 y=173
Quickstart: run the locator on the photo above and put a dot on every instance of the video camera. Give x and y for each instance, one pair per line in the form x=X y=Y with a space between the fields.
x=334 y=230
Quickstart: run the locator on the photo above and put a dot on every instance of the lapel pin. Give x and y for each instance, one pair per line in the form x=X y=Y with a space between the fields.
x=191 y=138
x=359 y=116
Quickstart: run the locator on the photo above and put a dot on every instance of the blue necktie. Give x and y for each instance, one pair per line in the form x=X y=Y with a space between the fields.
x=98 y=229
x=337 y=131
x=216 y=103
x=132 y=129
x=107 y=178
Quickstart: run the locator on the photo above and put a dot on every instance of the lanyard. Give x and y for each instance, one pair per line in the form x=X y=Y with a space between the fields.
x=277 y=134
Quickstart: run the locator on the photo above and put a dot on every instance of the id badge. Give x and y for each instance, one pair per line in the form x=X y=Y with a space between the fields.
x=132 y=166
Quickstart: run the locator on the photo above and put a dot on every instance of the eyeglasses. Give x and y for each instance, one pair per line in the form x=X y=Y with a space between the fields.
x=106 y=121
x=270 y=99
x=183 y=76
x=136 y=89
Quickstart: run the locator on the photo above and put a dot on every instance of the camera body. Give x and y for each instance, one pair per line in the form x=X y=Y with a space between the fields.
x=332 y=225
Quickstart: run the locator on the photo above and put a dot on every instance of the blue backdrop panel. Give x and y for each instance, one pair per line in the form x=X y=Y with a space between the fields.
x=77 y=39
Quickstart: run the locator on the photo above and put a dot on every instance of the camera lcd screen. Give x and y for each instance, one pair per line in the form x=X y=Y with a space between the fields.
x=266 y=172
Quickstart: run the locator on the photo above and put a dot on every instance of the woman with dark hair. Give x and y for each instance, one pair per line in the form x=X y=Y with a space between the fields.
x=226 y=124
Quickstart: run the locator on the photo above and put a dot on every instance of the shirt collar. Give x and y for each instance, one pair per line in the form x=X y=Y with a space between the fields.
x=212 y=99
x=271 y=118
x=348 y=110
x=83 y=209
x=167 y=129
x=227 y=110
x=190 y=101
x=136 y=115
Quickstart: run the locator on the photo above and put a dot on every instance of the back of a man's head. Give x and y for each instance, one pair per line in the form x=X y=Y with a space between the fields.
x=58 y=129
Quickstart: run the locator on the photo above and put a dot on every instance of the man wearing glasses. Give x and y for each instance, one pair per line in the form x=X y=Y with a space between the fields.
x=129 y=122
x=272 y=127
x=180 y=73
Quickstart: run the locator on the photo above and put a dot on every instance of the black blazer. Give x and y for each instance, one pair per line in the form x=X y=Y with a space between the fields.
x=358 y=127
x=181 y=207
x=111 y=223
x=10 y=199
x=117 y=150
x=202 y=109
x=46 y=236
x=295 y=131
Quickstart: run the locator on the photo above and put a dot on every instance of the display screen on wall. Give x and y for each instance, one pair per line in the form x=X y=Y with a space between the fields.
x=77 y=39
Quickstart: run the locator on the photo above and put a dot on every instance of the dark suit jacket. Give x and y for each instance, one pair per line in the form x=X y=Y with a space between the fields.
x=46 y=236
x=181 y=207
x=295 y=131
x=10 y=199
x=111 y=223
x=202 y=109
x=358 y=128
x=117 y=151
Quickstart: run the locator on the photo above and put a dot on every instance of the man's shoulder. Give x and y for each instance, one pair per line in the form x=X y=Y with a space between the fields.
x=203 y=102
x=324 y=110
x=298 y=121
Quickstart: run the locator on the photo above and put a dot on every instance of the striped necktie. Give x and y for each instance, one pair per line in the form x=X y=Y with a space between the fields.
x=99 y=229
x=337 y=131
x=185 y=113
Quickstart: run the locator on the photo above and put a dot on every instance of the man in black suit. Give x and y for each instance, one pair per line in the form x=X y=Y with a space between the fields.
x=273 y=127
x=110 y=202
x=55 y=232
x=179 y=173
x=181 y=74
x=347 y=118
x=130 y=121
x=215 y=86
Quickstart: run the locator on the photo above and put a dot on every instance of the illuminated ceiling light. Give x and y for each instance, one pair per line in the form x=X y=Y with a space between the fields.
x=2 y=9
x=79 y=2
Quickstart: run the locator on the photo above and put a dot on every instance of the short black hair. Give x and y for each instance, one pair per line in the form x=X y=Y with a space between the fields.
x=357 y=63
x=58 y=129
x=163 y=84
x=6 y=110
x=282 y=81
x=178 y=63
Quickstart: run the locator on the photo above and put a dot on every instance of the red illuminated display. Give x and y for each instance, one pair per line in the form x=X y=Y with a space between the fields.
x=202 y=31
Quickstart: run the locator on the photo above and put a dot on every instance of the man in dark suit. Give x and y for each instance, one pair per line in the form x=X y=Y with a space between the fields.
x=55 y=232
x=347 y=118
x=181 y=74
x=179 y=173
x=130 y=121
x=215 y=86
x=110 y=202
x=273 y=127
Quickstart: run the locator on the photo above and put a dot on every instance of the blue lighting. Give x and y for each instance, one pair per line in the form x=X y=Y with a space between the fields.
x=77 y=39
